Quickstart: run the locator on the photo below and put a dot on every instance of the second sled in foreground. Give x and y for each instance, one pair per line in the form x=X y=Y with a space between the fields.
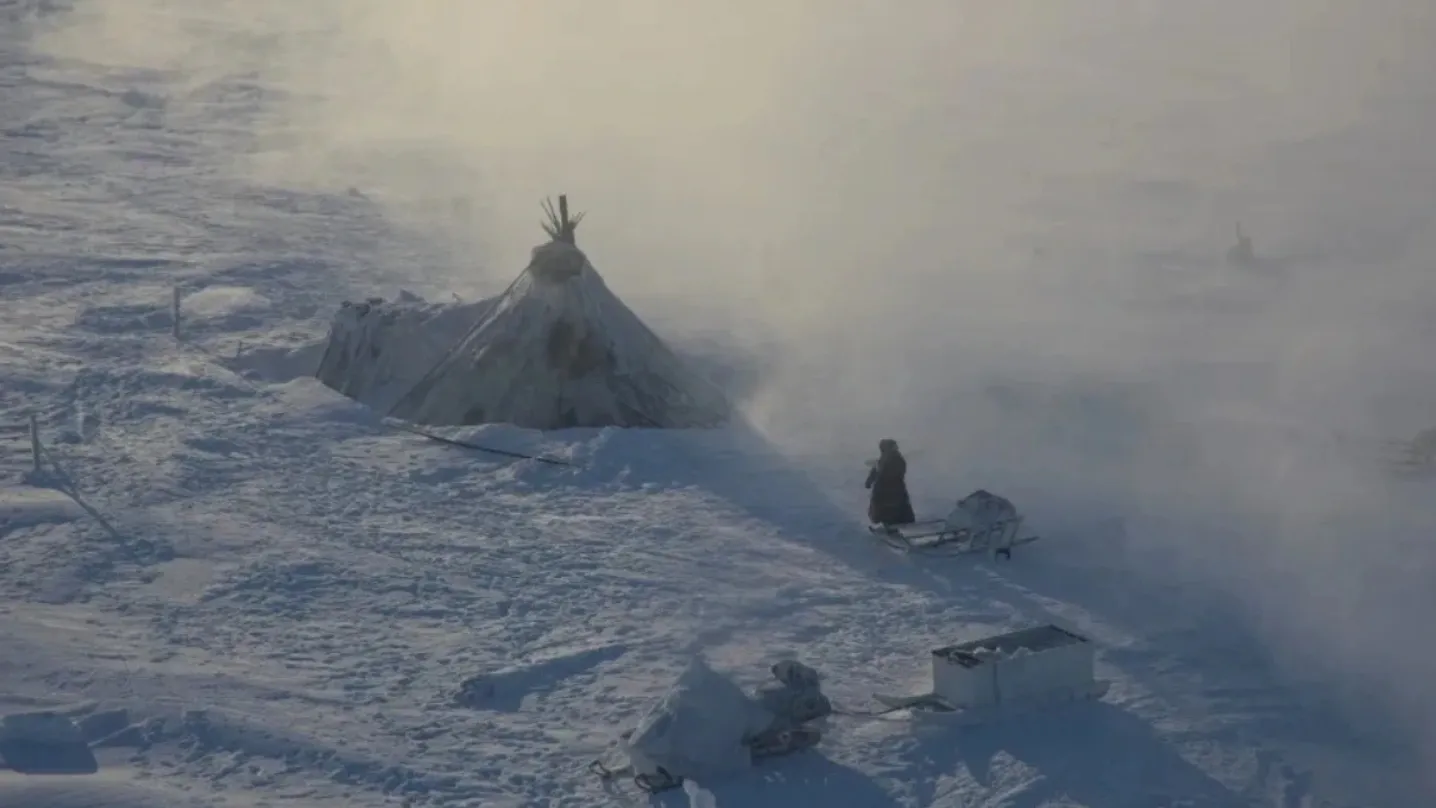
x=975 y=682
x=979 y=522
x=706 y=727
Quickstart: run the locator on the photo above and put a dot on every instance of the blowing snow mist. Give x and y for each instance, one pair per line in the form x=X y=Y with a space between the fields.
x=997 y=234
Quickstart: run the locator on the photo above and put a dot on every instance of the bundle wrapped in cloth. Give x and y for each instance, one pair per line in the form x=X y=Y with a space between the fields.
x=705 y=727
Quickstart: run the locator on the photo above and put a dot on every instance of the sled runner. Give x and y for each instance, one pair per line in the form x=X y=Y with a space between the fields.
x=936 y=708
x=1412 y=458
x=706 y=727
x=980 y=522
x=764 y=747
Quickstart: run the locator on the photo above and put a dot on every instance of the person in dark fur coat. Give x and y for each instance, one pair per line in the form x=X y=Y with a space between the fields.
x=889 y=503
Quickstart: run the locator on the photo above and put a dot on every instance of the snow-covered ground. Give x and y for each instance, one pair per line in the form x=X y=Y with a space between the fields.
x=283 y=594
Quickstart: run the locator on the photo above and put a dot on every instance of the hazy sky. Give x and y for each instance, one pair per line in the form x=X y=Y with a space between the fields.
x=992 y=230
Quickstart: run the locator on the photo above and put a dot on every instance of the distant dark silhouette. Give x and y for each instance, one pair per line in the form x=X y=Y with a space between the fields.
x=889 y=503
x=1241 y=254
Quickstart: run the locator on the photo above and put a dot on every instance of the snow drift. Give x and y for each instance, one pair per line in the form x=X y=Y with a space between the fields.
x=69 y=793
x=44 y=743
x=556 y=350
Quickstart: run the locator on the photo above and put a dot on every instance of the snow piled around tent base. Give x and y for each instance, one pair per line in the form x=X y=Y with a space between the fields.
x=378 y=350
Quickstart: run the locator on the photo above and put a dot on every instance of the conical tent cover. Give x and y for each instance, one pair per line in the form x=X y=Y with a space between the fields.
x=559 y=350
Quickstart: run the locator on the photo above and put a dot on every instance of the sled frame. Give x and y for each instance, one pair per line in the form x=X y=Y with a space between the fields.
x=767 y=746
x=934 y=705
x=1414 y=458
x=938 y=536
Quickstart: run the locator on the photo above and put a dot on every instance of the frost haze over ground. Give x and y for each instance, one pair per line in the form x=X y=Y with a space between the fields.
x=994 y=232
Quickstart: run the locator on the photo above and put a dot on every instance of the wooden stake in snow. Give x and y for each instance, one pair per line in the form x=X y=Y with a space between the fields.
x=559 y=226
x=35 y=441
x=175 y=313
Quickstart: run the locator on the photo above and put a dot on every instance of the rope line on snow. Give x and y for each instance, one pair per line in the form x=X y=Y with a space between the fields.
x=141 y=551
x=445 y=356
x=552 y=461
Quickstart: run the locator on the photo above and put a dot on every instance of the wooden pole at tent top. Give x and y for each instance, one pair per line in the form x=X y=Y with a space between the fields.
x=559 y=225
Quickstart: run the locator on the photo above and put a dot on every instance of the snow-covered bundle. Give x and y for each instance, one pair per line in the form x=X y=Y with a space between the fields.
x=378 y=350
x=700 y=728
x=706 y=727
x=560 y=350
x=981 y=509
x=794 y=697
